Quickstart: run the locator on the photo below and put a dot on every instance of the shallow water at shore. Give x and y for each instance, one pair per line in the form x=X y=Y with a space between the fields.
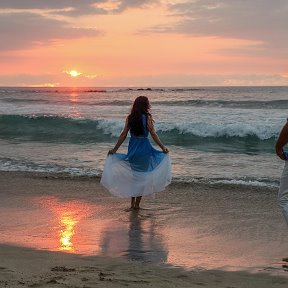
x=188 y=225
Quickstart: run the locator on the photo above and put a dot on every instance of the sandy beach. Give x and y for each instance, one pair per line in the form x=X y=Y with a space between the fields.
x=23 y=267
x=61 y=231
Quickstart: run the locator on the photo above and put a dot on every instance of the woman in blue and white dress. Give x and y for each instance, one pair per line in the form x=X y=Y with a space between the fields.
x=143 y=170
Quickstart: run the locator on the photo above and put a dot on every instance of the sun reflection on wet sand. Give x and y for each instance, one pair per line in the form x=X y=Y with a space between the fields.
x=67 y=233
x=68 y=215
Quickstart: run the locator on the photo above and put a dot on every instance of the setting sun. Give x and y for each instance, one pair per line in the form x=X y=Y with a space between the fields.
x=74 y=73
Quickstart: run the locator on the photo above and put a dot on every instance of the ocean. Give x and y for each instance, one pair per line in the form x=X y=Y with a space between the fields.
x=214 y=134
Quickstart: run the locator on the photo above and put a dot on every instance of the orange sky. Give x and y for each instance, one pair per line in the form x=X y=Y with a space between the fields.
x=143 y=43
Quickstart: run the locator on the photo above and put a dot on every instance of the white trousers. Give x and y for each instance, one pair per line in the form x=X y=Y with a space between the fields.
x=283 y=192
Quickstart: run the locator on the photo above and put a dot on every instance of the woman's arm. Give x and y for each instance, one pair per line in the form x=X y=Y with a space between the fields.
x=282 y=140
x=154 y=135
x=121 y=138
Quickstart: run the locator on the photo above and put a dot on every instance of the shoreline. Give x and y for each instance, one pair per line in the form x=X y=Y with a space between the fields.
x=175 y=182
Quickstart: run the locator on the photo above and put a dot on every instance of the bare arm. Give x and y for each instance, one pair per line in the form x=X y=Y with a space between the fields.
x=154 y=135
x=121 y=138
x=282 y=141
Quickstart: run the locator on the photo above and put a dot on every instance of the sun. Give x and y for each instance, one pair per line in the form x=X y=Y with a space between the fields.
x=74 y=73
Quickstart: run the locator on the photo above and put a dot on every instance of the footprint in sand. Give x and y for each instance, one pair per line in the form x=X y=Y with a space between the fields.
x=62 y=269
x=4 y=269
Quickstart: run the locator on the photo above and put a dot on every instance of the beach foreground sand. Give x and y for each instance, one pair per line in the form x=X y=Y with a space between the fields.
x=174 y=230
x=24 y=267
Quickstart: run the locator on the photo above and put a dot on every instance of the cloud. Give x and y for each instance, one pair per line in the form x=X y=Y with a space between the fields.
x=258 y=20
x=83 y=5
x=75 y=7
x=24 y=79
x=49 y=80
x=23 y=30
x=32 y=22
x=194 y=80
x=126 y=4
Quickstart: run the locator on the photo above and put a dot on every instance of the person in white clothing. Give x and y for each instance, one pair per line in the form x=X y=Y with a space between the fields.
x=283 y=189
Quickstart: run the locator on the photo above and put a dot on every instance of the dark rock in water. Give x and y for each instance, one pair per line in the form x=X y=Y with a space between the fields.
x=97 y=91
x=144 y=89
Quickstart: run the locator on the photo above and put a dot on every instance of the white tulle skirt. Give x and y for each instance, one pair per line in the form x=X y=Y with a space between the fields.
x=122 y=180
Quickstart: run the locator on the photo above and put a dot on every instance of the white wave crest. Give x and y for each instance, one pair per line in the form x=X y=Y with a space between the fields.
x=234 y=182
x=19 y=166
x=110 y=127
x=263 y=131
x=202 y=129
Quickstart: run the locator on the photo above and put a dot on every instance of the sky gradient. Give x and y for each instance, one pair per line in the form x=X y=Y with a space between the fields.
x=143 y=42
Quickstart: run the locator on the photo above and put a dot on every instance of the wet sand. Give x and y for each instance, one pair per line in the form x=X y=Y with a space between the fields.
x=215 y=235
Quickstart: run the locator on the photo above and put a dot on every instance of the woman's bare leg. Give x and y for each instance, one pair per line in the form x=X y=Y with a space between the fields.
x=132 y=202
x=137 y=202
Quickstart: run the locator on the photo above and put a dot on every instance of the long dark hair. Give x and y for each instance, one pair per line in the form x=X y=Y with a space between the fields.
x=140 y=106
